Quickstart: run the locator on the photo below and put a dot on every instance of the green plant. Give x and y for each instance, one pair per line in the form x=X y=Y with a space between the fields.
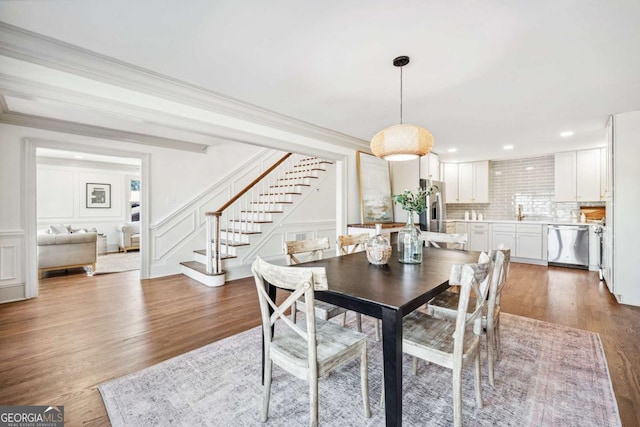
x=413 y=201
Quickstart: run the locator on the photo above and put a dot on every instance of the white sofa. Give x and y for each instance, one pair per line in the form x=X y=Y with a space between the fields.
x=128 y=236
x=58 y=251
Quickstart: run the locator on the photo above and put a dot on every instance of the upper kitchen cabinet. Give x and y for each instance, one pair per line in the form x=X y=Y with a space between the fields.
x=430 y=167
x=450 y=178
x=577 y=176
x=467 y=182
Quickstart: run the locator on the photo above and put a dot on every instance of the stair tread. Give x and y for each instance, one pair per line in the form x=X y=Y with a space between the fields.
x=250 y=222
x=199 y=267
x=262 y=212
x=279 y=194
x=272 y=203
x=231 y=230
x=222 y=256
x=291 y=185
x=231 y=243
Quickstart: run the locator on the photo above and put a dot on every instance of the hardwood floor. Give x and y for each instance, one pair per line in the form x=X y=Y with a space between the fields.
x=83 y=331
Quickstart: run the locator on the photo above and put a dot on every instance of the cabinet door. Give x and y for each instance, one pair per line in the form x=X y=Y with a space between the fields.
x=451 y=182
x=588 y=175
x=604 y=190
x=481 y=182
x=465 y=183
x=507 y=238
x=434 y=166
x=478 y=237
x=565 y=177
x=462 y=228
x=529 y=246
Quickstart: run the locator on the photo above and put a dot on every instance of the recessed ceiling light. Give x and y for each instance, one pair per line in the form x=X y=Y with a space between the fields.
x=452 y=150
x=566 y=133
x=508 y=147
x=529 y=168
x=77 y=156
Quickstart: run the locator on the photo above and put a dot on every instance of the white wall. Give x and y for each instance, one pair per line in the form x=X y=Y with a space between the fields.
x=62 y=196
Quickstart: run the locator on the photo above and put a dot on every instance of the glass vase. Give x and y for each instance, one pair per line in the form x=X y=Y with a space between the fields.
x=409 y=243
x=378 y=248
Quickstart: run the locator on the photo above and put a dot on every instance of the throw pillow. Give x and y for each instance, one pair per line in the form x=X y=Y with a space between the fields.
x=58 y=229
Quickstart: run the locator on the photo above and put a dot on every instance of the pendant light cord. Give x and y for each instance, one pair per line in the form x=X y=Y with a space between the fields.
x=400 y=95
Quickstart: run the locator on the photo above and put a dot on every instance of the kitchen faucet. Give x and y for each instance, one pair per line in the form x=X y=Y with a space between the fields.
x=520 y=216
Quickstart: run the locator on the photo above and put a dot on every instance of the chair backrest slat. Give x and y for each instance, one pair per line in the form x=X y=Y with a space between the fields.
x=315 y=247
x=435 y=239
x=352 y=243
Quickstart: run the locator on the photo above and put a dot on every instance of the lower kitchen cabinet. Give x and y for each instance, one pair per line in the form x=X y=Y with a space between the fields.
x=524 y=240
x=479 y=237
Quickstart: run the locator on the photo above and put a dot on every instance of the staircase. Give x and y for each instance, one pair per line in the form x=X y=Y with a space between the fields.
x=249 y=216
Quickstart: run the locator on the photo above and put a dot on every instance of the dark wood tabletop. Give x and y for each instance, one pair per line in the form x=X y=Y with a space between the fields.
x=395 y=285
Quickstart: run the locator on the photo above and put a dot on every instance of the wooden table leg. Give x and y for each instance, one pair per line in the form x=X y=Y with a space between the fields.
x=392 y=356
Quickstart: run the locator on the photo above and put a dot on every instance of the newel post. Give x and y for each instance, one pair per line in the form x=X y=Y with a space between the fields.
x=214 y=263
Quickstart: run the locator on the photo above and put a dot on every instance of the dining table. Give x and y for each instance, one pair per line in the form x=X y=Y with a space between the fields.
x=387 y=292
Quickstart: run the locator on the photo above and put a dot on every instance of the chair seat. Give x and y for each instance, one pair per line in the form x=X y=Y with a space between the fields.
x=335 y=345
x=446 y=305
x=324 y=310
x=435 y=337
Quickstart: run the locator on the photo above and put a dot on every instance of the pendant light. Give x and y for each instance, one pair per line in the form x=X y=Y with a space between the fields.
x=401 y=142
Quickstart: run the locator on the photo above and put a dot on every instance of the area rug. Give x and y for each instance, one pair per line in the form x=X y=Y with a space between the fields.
x=118 y=262
x=549 y=375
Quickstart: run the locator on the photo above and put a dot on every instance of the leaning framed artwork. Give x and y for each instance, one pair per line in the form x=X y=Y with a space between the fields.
x=98 y=195
x=376 y=203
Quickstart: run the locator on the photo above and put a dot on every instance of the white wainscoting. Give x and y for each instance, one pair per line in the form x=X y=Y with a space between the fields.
x=173 y=239
x=12 y=286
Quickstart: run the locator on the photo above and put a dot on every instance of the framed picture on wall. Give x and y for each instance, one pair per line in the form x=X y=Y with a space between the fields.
x=376 y=203
x=98 y=195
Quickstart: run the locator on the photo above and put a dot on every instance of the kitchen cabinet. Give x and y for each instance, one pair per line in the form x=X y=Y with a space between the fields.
x=430 y=167
x=450 y=177
x=524 y=240
x=577 y=176
x=478 y=237
x=467 y=182
x=604 y=179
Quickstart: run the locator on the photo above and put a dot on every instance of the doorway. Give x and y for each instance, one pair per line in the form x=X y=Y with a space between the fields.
x=50 y=165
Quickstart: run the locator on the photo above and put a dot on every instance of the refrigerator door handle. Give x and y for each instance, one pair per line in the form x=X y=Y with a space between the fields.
x=440 y=207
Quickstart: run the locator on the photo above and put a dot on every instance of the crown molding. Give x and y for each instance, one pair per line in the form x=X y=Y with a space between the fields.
x=25 y=120
x=32 y=47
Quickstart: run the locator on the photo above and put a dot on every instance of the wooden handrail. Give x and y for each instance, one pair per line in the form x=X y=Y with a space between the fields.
x=249 y=186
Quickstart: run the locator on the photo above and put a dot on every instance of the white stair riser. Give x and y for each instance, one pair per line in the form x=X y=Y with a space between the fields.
x=267 y=207
x=302 y=174
x=256 y=216
x=296 y=181
x=245 y=226
x=211 y=281
x=288 y=189
x=275 y=198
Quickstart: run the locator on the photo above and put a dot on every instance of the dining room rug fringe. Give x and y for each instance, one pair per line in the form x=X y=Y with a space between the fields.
x=548 y=375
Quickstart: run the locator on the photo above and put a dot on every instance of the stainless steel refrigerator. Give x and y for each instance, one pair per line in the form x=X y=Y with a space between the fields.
x=433 y=218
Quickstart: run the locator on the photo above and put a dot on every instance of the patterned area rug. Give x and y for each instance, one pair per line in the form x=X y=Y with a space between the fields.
x=118 y=262
x=548 y=375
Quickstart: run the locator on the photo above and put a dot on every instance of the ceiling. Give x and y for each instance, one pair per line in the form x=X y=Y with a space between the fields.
x=482 y=74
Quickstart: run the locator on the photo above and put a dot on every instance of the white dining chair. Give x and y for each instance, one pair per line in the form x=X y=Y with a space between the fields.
x=445 y=306
x=310 y=352
x=450 y=344
x=446 y=240
x=314 y=249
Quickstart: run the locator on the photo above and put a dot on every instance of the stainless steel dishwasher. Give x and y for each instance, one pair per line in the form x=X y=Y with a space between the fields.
x=568 y=245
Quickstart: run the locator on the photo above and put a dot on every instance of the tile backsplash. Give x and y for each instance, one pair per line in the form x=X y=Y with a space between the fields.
x=528 y=182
